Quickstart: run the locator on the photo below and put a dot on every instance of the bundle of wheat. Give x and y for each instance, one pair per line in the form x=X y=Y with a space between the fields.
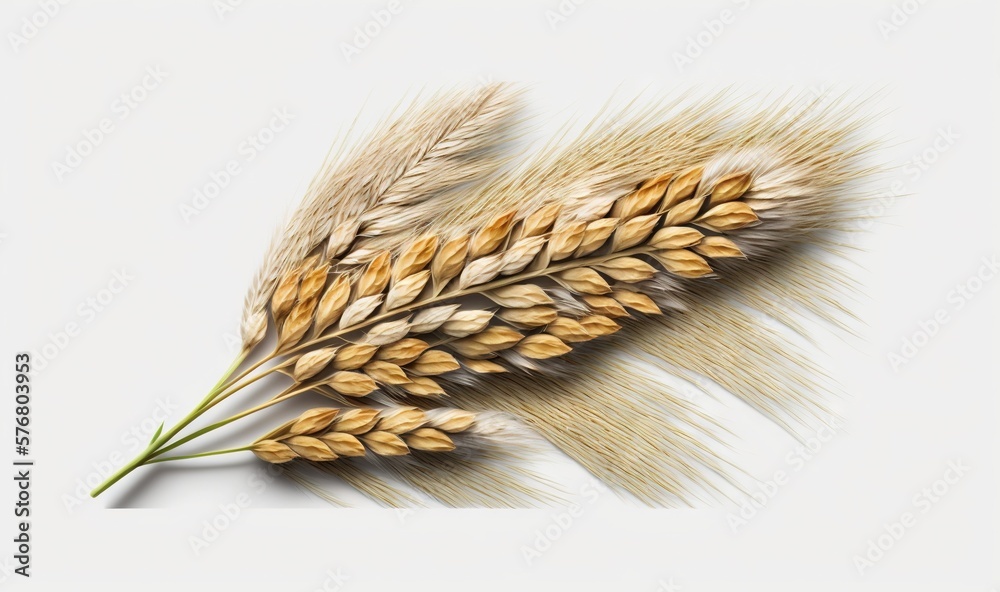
x=419 y=266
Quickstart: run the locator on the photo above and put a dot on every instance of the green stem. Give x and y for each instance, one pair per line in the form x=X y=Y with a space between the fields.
x=288 y=394
x=165 y=437
x=234 y=387
x=199 y=455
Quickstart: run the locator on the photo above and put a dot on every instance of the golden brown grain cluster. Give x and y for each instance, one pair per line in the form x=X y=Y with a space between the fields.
x=398 y=321
x=326 y=434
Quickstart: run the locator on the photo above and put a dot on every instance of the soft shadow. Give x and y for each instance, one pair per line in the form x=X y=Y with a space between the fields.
x=144 y=480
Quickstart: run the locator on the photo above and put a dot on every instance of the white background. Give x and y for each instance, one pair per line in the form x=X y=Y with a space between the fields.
x=165 y=335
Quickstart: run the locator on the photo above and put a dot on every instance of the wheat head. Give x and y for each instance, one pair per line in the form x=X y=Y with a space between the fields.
x=547 y=280
x=326 y=434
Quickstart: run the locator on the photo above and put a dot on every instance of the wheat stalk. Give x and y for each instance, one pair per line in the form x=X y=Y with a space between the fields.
x=399 y=275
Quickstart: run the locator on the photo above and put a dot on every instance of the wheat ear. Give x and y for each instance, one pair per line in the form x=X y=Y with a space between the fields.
x=326 y=434
x=549 y=282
